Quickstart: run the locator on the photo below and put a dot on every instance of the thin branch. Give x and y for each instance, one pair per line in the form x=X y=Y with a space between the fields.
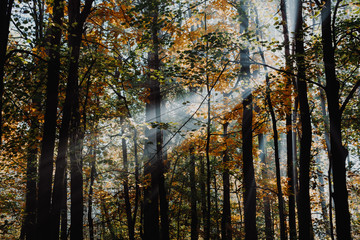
x=289 y=73
x=348 y=98
x=23 y=51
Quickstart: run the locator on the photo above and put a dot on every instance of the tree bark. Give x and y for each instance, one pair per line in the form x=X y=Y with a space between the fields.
x=226 y=229
x=265 y=175
x=202 y=191
x=77 y=19
x=130 y=222
x=5 y=16
x=247 y=134
x=48 y=140
x=193 y=196
x=289 y=128
x=153 y=148
x=338 y=152
x=31 y=176
x=304 y=209
x=283 y=234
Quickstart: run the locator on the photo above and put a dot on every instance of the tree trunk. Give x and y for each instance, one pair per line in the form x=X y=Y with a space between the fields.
x=247 y=134
x=77 y=19
x=193 y=196
x=202 y=192
x=304 y=209
x=137 y=180
x=226 y=229
x=267 y=211
x=130 y=223
x=289 y=129
x=338 y=152
x=48 y=140
x=153 y=148
x=92 y=179
x=64 y=212
x=31 y=176
x=283 y=234
x=5 y=16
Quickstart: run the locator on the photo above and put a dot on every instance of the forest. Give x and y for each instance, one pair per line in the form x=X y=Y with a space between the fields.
x=179 y=119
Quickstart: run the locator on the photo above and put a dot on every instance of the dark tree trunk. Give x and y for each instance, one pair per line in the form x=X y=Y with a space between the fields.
x=265 y=175
x=163 y=200
x=153 y=148
x=202 y=192
x=31 y=176
x=91 y=192
x=217 y=211
x=283 y=234
x=130 y=222
x=64 y=213
x=338 y=152
x=289 y=128
x=5 y=16
x=247 y=134
x=193 y=196
x=208 y=167
x=304 y=209
x=48 y=140
x=226 y=229
x=137 y=180
x=77 y=19
x=61 y=161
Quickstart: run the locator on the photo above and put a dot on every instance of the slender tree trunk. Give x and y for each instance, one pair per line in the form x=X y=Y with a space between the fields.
x=320 y=177
x=48 y=140
x=289 y=129
x=226 y=229
x=267 y=211
x=327 y=141
x=304 y=209
x=338 y=152
x=137 y=180
x=64 y=213
x=31 y=176
x=77 y=19
x=217 y=212
x=130 y=223
x=162 y=195
x=202 y=192
x=208 y=167
x=108 y=221
x=283 y=234
x=193 y=196
x=91 y=191
x=5 y=16
x=247 y=133
x=153 y=148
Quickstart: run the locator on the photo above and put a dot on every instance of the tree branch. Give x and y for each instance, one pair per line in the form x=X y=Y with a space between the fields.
x=348 y=98
x=23 y=51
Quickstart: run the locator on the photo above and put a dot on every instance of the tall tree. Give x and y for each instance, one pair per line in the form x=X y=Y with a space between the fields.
x=154 y=165
x=77 y=18
x=226 y=230
x=289 y=127
x=48 y=139
x=247 y=133
x=338 y=152
x=304 y=209
x=5 y=16
x=194 y=214
x=269 y=234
